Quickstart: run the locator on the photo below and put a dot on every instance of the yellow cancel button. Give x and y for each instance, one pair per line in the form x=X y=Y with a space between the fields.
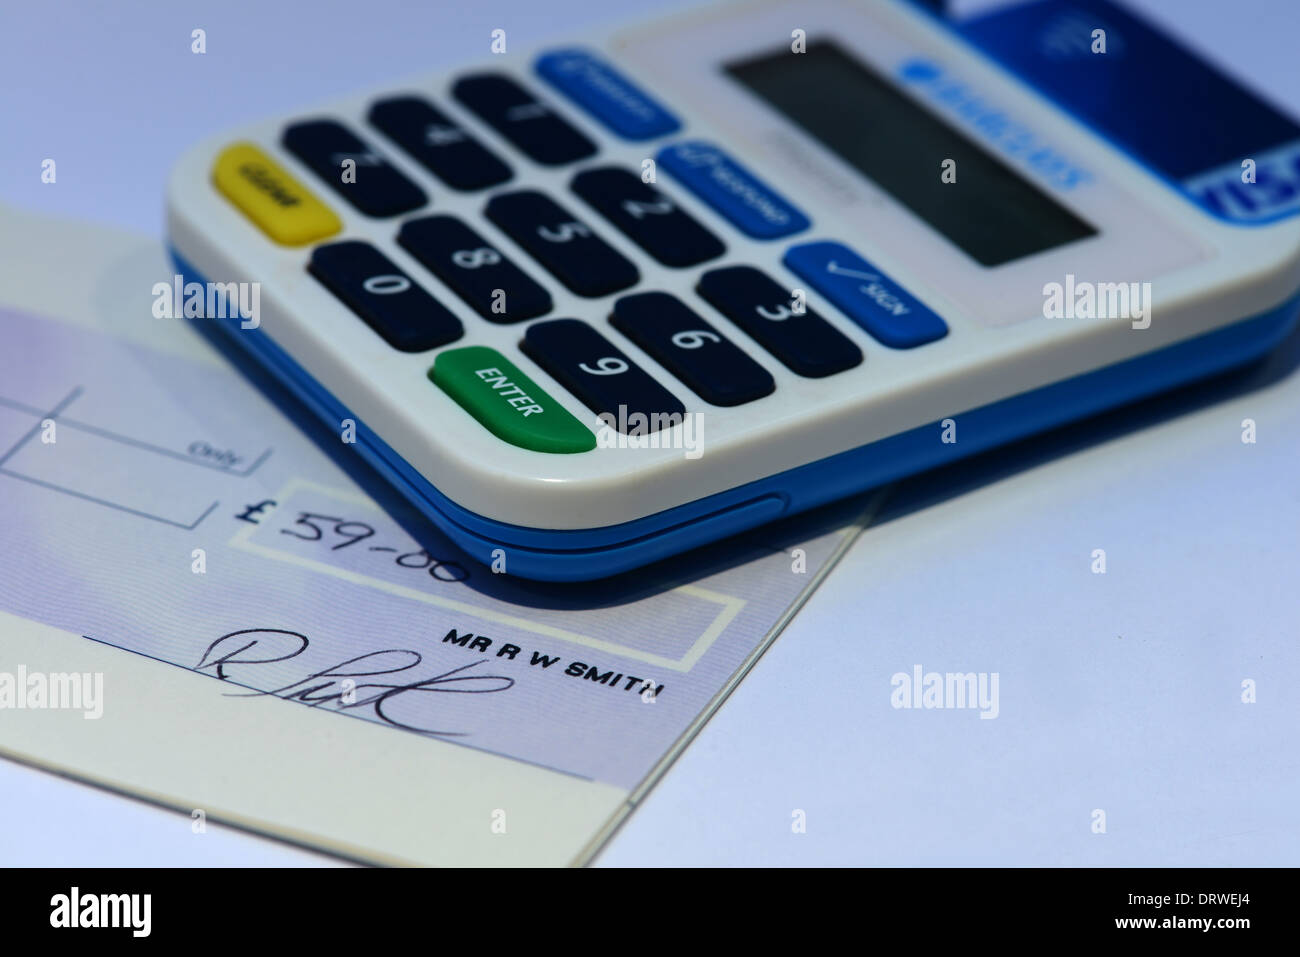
x=266 y=193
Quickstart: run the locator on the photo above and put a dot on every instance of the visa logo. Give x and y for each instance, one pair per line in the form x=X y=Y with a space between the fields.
x=1256 y=188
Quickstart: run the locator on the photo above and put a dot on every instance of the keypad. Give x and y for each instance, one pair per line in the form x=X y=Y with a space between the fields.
x=560 y=240
x=494 y=287
x=530 y=125
x=712 y=366
x=390 y=302
x=585 y=263
x=648 y=217
x=440 y=145
x=782 y=324
x=606 y=380
x=353 y=168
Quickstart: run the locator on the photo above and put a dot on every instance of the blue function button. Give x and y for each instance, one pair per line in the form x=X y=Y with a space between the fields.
x=752 y=206
x=866 y=295
x=606 y=94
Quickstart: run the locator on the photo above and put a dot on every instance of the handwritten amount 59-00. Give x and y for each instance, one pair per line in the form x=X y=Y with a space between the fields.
x=313 y=527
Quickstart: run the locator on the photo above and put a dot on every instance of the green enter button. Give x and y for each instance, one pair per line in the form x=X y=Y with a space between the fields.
x=509 y=404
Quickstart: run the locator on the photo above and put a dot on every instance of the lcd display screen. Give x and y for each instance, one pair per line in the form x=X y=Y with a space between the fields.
x=986 y=208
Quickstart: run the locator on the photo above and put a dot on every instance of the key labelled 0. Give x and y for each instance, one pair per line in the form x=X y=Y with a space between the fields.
x=373 y=287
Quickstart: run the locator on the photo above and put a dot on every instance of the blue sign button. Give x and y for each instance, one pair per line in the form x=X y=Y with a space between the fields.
x=751 y=205
x=606 y=94
x=866 y=295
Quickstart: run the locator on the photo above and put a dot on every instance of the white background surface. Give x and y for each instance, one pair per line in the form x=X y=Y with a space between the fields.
x=1118 y=692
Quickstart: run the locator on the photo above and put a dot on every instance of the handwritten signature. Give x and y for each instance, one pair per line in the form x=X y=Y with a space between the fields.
x=340 y=684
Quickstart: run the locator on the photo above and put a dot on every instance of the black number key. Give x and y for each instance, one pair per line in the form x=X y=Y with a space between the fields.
x=442 y=147
x=647 y=217
x=691 y=349
x=532 y=126
x=353 y=169
x=480 y=274
x=580 y=259
x=607 y=382
x=390 y=302
x=805 y=343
